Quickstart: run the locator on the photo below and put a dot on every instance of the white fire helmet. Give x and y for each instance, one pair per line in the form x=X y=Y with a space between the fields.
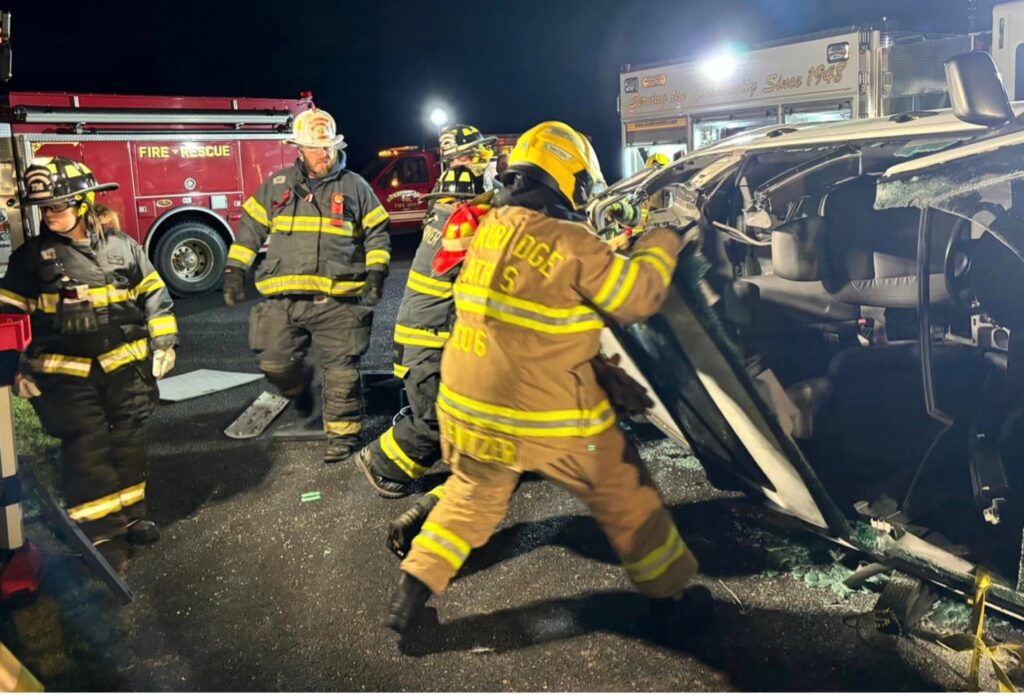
x=315 y=128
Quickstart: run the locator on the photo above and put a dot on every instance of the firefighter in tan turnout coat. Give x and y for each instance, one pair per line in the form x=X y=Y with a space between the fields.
x=518 y=391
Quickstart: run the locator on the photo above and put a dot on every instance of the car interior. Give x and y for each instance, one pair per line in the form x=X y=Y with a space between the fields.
x=824 y=303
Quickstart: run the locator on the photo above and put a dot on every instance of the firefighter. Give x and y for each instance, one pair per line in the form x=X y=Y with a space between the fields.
x=327 y=257
x=518 y=391
x=408 y=449
x=102 y=334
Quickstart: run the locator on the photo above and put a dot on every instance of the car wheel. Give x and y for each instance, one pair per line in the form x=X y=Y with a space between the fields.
x=191 y=257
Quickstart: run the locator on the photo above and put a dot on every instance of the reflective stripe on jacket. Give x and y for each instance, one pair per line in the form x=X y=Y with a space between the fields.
x=531 y=299
x=427 y=311
x=318 y=242
x=130 y=302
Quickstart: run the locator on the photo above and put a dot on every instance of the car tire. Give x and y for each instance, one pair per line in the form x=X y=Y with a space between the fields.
x=191 y=257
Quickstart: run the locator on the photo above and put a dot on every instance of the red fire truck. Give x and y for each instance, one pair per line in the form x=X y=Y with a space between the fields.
x=401 y=176
x=185 y=165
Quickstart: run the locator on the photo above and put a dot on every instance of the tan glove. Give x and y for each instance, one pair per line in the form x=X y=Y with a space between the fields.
x=25 y=386
x=163 y=362
x=626 y=395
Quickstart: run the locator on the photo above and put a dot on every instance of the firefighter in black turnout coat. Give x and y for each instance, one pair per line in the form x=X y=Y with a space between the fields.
x=327 y=255
x=103 y=333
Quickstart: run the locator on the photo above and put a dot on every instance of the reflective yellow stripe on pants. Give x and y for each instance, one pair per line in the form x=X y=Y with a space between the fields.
x=108 y=504
x=439 y=541
x=389 y=445
x=14 y=677
x=658 y=561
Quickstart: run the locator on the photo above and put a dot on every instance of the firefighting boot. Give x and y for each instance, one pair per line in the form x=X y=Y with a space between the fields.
x=338 y=449
x=385 y=487
x=402 y=530
x=407 y=602
x=142 y=532
x=676 y=620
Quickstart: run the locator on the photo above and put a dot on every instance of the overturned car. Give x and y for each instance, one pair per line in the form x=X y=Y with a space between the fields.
x=847 y=342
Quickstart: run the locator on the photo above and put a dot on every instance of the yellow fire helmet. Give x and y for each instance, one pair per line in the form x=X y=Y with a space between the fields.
x=659 y=159
x=555 y=155
x=316 y=128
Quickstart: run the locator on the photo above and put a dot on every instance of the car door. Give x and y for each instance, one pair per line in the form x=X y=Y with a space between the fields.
x=685 y=356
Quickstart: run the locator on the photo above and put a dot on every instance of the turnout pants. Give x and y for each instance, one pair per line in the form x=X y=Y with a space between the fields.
x=408 y=449
x=606 y=473
x=99 y=421
x=281 y=330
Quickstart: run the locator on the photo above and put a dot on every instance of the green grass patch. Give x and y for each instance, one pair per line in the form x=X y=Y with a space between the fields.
x=29 y=437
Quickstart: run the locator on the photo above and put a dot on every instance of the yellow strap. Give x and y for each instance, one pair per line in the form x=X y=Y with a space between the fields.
x=162 y=325
x=241 y=254
x=974 y=641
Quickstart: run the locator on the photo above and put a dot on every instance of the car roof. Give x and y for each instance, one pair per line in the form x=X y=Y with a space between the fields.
x=900 y=126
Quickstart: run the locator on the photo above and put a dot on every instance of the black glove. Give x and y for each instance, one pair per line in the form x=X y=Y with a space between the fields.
x=373 y=289
x=234 y=286
x=626 y=395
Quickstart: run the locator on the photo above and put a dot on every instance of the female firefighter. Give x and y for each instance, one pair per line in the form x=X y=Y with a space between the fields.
x=103 y=333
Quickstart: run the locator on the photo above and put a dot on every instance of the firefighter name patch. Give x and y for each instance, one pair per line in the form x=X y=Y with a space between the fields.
x=279 y=179
x=48 y=254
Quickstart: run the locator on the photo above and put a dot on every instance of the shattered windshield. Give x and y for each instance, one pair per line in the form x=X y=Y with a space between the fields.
x=986 y=188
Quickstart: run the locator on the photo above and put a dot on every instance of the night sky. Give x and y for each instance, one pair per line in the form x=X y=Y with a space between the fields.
x=500 y=65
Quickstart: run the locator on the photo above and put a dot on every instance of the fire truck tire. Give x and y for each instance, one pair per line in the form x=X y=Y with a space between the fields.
x=190 y=257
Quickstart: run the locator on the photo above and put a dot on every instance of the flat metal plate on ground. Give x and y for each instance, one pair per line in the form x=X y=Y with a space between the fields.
x=257 y=416
x=310 y=430
x=202 y=382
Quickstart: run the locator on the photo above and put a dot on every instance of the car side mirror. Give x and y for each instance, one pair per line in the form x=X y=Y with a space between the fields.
x=976 y=90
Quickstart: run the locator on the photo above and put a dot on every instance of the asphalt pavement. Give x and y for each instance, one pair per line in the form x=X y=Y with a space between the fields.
x=253 y=589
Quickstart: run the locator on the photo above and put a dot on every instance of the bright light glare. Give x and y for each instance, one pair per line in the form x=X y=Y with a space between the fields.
x=438 y=116
x=720 y=66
